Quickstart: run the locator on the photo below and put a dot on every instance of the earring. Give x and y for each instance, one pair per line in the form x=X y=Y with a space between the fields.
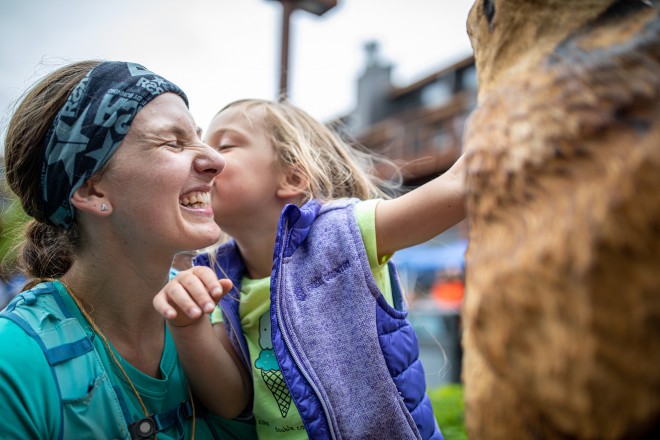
x=103 y=207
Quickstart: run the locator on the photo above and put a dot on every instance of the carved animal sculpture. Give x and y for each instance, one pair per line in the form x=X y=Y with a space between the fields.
x=562 y=309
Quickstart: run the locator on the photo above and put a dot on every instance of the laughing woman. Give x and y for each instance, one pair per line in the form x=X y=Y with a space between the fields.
x=106 y=157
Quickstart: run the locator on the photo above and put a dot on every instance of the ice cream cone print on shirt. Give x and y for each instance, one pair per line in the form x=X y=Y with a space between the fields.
x=270 y=370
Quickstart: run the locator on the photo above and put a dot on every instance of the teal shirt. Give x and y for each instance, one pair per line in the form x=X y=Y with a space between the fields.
x=30 y=404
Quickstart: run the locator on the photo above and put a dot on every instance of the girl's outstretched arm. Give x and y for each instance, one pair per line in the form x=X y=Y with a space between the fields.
x=215 y=372
x=422 y=213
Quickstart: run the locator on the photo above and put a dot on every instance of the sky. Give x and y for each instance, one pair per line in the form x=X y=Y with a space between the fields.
x=218 y=51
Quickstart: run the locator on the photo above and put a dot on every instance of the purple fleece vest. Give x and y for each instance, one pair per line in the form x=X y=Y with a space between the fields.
x=350 y=360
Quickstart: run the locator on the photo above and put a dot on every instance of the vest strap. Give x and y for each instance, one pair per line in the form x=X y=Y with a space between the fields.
x=68 y=351
x=148 y=426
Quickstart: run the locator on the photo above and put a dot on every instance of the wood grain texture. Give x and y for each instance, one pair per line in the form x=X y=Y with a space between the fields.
x=562 y=308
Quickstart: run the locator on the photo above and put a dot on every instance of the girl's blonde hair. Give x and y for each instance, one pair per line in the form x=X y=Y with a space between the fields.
x=334 y=168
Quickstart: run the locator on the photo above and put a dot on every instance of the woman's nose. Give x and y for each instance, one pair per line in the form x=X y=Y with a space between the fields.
x=210 y=162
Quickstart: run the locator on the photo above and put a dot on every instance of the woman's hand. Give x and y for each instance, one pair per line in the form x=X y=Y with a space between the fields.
x=189 y=295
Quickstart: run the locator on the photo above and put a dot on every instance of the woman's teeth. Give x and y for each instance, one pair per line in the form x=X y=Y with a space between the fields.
x=197 y=201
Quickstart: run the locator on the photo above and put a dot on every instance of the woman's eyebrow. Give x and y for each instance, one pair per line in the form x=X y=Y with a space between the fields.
x=174 y=129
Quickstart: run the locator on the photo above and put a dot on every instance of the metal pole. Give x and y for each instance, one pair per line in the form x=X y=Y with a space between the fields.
x=288 y=7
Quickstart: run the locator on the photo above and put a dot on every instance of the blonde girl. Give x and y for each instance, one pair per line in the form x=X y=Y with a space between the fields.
x=316 y=314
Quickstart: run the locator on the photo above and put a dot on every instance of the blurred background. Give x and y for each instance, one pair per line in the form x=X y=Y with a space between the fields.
x=222 y=50
x=397 y=76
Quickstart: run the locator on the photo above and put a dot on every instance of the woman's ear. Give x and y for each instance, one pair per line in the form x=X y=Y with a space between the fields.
x=294 y=183
x=89 y=198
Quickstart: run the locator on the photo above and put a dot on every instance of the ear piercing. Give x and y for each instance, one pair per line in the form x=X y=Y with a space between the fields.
x=103 y=207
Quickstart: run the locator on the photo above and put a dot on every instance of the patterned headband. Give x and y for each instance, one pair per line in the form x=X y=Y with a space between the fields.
x=90 y=127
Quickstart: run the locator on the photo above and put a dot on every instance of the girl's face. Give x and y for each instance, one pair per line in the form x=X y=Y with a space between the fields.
x=159 y=180
x=245 y=194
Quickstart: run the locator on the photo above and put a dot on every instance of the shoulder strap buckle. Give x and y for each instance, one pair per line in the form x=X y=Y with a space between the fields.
x=148 y=426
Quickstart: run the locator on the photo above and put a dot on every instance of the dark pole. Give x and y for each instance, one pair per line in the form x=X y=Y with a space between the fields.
x=288 y=7
x=316 y=7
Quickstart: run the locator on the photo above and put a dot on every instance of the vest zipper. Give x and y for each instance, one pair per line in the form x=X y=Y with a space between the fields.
x=287 y=342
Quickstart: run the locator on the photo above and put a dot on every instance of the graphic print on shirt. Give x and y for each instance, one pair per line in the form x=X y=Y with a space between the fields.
x=270 y=370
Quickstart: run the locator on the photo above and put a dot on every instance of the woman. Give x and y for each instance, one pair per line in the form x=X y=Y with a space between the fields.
x=108 y=160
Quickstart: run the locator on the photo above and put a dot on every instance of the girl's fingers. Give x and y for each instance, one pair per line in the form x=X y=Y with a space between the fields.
x=226 y=285
x=162 y=305
x=187 y=296
x=214 y=287
x=191 y=295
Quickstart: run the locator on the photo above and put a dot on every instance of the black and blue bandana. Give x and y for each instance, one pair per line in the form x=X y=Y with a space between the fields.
x=90 y=127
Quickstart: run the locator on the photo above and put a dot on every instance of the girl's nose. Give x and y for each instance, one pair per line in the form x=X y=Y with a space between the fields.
x=210 y=162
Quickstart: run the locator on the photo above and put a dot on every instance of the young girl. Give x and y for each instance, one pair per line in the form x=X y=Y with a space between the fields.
x=317 y=313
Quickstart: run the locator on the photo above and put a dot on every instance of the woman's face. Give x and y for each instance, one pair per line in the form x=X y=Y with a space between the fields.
x=159 y=180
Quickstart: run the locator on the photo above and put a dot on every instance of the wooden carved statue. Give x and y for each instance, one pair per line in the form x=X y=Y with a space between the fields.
x=562 y=308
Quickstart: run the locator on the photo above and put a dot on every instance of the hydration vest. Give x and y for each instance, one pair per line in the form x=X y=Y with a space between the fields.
x=89 y=402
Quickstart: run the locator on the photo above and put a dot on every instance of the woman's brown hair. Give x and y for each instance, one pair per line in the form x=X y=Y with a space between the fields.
x=47 y=251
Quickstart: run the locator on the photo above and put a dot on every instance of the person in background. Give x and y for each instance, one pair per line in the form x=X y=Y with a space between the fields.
x=317 y=314
x=108 y=160
x=448 y=288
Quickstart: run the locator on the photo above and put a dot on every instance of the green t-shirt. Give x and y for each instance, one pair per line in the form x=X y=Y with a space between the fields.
x=30 y=404
x=275 y=414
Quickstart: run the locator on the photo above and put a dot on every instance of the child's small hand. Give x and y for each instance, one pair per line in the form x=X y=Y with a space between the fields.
x=189 y=295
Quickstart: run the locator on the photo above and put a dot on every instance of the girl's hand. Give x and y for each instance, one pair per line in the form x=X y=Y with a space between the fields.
x=190 y=294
